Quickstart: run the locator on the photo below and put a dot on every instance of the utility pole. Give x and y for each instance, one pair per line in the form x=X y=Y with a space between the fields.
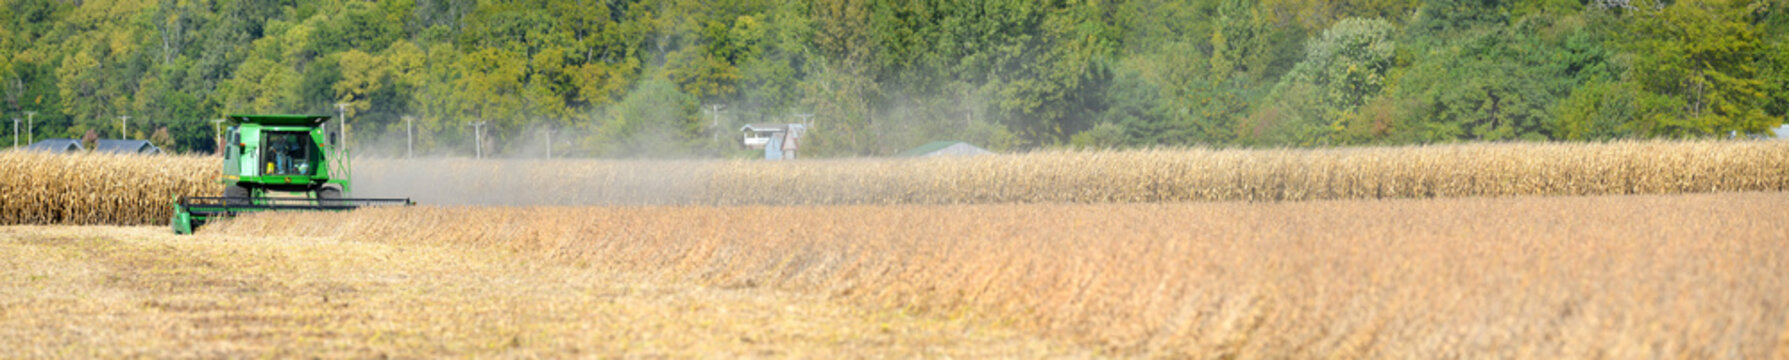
x=217 y=135
x=715 y=126
x=409 y=137
x=28 y=128
x=549 y=132
x=15 y=132
x=478 y=140
x=124 y=127
x=341 y=110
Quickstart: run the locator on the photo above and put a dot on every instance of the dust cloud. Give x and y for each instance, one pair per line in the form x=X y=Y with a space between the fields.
x=526 y=182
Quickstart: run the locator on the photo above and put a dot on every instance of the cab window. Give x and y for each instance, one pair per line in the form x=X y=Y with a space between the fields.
x=287 y=153
x=231 y=138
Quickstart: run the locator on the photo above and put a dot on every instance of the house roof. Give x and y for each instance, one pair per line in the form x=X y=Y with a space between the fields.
x=56 y=145
x=126 y=147
x=944 y=148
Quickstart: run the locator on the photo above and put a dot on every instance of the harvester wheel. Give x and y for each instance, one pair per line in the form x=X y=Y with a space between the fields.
x=324 y=195
x=235 y=195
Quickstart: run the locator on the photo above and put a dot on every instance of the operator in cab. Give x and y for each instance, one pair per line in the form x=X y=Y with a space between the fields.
x=289 y=155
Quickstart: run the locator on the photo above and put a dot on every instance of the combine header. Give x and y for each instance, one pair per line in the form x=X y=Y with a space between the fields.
x=270 y=154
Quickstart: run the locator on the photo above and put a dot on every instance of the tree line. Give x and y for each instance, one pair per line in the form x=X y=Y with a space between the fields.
x=677 y=78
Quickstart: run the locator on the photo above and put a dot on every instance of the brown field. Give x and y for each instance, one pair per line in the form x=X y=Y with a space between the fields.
x=1650 y=276
x=132 y=190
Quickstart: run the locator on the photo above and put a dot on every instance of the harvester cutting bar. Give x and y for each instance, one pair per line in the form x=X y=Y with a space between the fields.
x=192 y=212
x=244 y=204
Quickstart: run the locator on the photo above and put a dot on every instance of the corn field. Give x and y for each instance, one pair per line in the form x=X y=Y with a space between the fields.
x=95 y=189
x=1639 y=276
x=1165 y=175
x=42 y=188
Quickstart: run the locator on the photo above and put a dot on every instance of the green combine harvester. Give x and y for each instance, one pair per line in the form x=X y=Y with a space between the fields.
x=265 y=155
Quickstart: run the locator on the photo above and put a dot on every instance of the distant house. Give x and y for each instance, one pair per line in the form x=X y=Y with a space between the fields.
x=139 y=147
x=779 y=141
x=758 y=135
x=1777 y=133
x=945 y=148
x=57 y=146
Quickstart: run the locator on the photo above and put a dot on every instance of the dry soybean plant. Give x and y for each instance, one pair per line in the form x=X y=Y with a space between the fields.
x=43 y=188
x=1643 y=276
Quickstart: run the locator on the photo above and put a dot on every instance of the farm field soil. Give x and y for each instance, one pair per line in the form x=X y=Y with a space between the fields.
x=109 y=292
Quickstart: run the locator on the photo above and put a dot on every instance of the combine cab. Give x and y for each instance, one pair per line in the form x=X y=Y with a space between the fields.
x=269 y=155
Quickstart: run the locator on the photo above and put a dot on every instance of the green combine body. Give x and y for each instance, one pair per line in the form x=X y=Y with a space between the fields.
x=288 y=153
x=268 y=154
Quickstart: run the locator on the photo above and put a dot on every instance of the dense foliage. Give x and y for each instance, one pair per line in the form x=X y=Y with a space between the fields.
x=627 y=78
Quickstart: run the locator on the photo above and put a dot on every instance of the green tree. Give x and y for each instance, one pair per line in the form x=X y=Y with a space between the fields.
x=780 y=60
x=1696 y=65
x=362 y=75
x=842 y=95
x=653 y=120
x=881 y=75
x=488 y=86
x=1493 y=82
x=1342 y=70
x=1600 y=110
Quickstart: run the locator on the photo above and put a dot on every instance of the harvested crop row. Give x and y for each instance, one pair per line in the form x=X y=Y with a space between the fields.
x=1646 y=276
x=40 y=188
x=1105 y=176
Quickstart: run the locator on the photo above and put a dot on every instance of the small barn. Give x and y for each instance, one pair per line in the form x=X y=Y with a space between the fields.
x=758 y=135
x=139 y=147
x=57 y=146
x=779 y=141
x=945 y=148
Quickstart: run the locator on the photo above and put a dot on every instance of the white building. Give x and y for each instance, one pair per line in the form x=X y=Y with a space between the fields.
x=779 y=141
